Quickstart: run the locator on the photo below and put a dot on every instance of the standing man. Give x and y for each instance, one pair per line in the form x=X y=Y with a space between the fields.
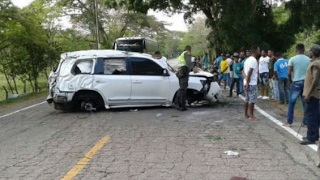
x=273 y=83
x=205 y=60
x=163 y=60
x=224 y=71
x=250 y=75
x=218 y=60
x=281 y=74
x=248 y=54
x=311 y=93
x=241 y=60
x=229 y=69
x=297 y=73
x=185 y=64
x=237 y=72
x=263 y=74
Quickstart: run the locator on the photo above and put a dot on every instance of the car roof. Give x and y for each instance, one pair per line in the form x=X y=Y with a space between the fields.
x=102 y=53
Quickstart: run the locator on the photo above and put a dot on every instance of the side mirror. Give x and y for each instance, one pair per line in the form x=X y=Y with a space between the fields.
x=165 y=72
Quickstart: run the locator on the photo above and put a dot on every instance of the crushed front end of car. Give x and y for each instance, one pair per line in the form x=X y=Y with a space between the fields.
x=210 y=90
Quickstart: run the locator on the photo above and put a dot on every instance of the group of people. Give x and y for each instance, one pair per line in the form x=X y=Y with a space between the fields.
x=201 y=62
x=288 y=80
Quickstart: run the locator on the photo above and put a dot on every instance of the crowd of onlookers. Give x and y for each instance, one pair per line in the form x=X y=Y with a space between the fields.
x=255 y=73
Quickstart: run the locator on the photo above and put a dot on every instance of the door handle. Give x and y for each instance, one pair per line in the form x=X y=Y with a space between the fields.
x=98 y=81
x=137 y=82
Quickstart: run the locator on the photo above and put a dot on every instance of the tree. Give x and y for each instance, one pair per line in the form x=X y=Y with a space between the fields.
x=233 y=27
x=172 y=43
x=197 y=37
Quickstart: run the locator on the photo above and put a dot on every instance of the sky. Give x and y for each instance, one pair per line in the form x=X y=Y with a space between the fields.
x=176 y=21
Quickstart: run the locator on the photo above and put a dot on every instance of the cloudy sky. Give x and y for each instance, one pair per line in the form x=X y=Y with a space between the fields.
x=176 y=21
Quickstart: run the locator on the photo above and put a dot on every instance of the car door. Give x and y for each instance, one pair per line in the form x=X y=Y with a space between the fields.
x=150 y=86
x=112 y=80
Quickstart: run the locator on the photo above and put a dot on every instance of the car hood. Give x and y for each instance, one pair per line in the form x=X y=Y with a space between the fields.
x=201 y=74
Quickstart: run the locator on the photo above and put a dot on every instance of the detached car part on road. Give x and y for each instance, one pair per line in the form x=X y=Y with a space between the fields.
x=96 y=79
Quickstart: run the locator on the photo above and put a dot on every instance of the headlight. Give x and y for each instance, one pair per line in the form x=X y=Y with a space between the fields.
x=206 y=87
x=203 y=82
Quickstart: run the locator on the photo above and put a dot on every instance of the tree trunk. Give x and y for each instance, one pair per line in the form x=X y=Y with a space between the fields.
x=24 y=86
x=36 y=85
x=30 y=81
x=8 y=81
x=15 y=84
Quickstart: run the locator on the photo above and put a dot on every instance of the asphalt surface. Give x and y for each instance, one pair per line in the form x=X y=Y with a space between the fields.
x=151 y=143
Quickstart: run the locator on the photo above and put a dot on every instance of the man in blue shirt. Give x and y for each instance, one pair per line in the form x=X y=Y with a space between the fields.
x=205 y=60
x=237 y=73
x=281 y=74
x=219 y=59
x=297 y=73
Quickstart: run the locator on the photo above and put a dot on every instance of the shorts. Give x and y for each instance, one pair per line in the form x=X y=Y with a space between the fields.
x=263 y=78
x=251 y=94
x=224 y=76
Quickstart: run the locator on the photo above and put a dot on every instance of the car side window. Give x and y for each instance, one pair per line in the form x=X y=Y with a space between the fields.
x=115 y=66
x=146 y=67
x=83 y=67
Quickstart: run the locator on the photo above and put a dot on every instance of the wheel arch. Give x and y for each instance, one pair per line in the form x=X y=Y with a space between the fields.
x=86 y=94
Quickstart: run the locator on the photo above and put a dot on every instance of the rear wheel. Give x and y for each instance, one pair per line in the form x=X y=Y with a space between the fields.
x=88 y=100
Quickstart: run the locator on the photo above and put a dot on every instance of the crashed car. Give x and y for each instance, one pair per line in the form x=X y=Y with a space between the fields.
x=94 y=79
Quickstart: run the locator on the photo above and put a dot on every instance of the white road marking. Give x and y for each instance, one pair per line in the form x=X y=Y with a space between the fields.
x=288 y=129
x=23 y=109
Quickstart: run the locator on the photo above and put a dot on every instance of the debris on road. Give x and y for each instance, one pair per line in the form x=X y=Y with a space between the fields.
x=133 y=110
x=231 y=153
x=159 y=114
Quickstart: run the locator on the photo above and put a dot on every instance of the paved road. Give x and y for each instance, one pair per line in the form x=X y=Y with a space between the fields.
x=42 y=143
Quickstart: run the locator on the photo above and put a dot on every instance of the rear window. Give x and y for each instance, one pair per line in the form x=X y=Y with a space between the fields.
x=83 y=66
x=114 y=66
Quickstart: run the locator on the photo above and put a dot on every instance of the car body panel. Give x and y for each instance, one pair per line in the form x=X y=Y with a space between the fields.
x=125 y=90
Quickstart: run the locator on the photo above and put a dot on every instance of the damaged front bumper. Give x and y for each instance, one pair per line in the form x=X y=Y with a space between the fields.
x=214 y=94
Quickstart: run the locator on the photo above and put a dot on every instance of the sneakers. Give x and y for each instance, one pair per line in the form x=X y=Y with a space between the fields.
x=263 y=97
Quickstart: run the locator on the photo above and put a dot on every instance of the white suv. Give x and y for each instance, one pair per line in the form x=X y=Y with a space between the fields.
x=112 y=79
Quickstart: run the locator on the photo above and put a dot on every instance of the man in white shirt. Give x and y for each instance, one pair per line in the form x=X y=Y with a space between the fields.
x=250 y=75
x=162 y=59
x=264 y=74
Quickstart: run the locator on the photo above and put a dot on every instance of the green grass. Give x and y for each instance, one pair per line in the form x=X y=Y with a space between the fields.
x=214 y=138
x=42 y=81
x=297 y=108
x=29 y=96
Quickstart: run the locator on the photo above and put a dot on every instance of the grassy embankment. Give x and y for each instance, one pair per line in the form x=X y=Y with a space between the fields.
x=30 y=95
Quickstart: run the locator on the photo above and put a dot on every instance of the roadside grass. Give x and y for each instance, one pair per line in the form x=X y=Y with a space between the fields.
x=42 y=81
x=298 y=108
x=29 y=96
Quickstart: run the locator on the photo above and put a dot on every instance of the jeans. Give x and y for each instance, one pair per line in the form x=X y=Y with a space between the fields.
x=274 y=89
x=241 y=84
x=228 y=80
x=237 y=82
x=311 y=113
x=283 y=84
x=296 y=90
